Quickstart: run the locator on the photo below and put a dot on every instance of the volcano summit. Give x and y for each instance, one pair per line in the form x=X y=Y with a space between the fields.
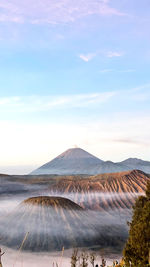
x=76 y=161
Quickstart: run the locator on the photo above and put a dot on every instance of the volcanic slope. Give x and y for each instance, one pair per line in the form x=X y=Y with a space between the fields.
x=104 y=191
x=78 y=161
x=51 y=223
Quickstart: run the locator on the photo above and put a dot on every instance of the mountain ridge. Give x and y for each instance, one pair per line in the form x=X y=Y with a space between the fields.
x=103 y=191
x=78 y=161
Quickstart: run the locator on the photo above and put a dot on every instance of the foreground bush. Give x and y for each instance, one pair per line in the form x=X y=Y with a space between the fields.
x=137 y=249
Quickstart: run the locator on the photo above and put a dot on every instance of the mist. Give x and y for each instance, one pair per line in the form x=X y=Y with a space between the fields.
x=25 y=259
x=103 y=222
x=51 y=228
x=86 y=199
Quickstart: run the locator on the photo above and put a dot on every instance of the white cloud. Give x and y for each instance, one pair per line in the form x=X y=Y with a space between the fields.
x=87 y=57
x=39 y=103
x=9 y=100
x=139 y=94
x=54 y=11
x=120 y=71
x=127 y=70
x=45 y=103
x=111 y=54
x=106 y=70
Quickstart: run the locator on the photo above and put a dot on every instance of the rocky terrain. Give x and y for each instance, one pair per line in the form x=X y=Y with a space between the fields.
x=104 y=191
x=97 y=192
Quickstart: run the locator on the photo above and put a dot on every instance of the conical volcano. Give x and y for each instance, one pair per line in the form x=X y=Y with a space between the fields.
x=56 y=203
x=78 y=161
x=72 y=161
x=51 y=222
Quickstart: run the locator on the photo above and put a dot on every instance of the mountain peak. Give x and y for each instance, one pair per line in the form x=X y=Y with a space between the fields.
x=134 y=161
x=72 y=161
x=76 y=161
x=76 y=153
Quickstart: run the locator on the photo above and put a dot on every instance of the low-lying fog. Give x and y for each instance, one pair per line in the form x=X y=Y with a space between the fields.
x=23 y=259
x=9 y=200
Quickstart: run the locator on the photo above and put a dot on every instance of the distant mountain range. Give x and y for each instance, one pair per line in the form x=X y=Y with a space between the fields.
x=77 y=161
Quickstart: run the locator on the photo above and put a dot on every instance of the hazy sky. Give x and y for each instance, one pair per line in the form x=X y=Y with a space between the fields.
x=73 y=72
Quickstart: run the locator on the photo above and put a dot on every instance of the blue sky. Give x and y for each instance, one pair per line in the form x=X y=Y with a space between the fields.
x=73 y=73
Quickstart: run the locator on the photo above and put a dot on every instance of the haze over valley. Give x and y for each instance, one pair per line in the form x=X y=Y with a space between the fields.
x=77 y=209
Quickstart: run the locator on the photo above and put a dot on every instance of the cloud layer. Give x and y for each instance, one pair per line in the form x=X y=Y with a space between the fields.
x=38 y=103
x=45 y=103
x=87 y=57
x=53 y=11
x=114 y=54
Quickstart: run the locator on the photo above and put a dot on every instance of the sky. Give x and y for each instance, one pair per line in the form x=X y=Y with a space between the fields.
x=73 y=73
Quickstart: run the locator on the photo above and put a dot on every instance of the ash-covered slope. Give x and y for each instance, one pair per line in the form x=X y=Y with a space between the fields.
x=51 y=223
x=103 y=191
x=57 y=203
x=78 y=161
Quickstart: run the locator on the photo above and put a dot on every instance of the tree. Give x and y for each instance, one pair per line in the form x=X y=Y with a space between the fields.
x=74 y=258
x=84 y=259
x=148 y=191
x=92 y=258
x=137 y=248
